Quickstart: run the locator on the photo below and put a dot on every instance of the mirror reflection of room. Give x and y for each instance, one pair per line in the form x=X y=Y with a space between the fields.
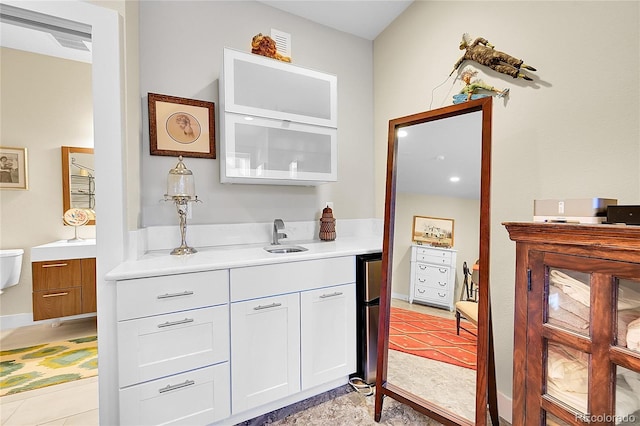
x=78 y=180
x=438 y=186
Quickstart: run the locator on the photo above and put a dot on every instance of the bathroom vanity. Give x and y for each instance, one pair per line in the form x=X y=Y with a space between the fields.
x=228 y=334
x=64 y=279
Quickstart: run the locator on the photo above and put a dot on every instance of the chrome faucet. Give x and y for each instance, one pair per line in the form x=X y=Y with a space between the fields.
x=278 y=225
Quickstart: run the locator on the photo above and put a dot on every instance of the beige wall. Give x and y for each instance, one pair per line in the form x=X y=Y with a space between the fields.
x=189 y=65
x=573 y=132
x=465 y=214
x=46 y=103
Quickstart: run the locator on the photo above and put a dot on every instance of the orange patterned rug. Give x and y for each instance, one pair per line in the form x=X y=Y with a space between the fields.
x=432 y=337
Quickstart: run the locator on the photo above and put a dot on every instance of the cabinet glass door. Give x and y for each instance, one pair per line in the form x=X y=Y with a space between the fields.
x=628 y=312
x=275 y=151
x=569 y=300
x=265 y=87
x=568 y=376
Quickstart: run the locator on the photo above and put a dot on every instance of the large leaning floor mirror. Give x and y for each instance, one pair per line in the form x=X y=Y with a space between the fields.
x=435 y=349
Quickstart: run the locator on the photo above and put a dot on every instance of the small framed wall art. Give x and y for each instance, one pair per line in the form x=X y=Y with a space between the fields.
x=13 y=168
x=179 y=126
x=434 y=231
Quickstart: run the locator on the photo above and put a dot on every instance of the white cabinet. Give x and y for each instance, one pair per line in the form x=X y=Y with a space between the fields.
x=433 y=276
x=293 y=327
x=278 y=122
x=328 y=316
x=173 y=348
x=265 y=347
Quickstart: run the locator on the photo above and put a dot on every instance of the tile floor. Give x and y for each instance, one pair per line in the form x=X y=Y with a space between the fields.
x=68 y=404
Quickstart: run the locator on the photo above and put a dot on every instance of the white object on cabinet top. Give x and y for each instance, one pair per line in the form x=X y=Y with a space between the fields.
x=63 y=249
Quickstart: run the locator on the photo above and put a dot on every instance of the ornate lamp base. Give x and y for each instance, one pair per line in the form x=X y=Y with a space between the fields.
x=183 y=250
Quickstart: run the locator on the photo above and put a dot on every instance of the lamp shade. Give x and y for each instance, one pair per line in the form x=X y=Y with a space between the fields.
x=180 y=182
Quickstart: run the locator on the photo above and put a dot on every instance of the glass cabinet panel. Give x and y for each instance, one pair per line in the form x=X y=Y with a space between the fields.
x=274 y=151
x=627 y=397
x=266 y=87
x=628 y=324
x=569 y=300
x=568 y=375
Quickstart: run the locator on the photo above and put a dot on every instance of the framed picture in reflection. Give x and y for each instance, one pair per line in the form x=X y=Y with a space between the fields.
x=433 y=231
x=13 y=168
x=179 y=126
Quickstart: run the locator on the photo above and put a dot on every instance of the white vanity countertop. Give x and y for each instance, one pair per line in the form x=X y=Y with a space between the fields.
x=224 y=257
x=64 y=249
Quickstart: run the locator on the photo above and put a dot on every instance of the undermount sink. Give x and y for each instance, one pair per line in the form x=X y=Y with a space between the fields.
x=285 y=249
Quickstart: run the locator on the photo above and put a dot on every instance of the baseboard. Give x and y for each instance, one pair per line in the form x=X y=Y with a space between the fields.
x=505 y=405
x=8 y=322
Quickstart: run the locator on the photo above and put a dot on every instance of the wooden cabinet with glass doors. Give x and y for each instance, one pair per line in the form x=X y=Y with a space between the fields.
x=577 y=324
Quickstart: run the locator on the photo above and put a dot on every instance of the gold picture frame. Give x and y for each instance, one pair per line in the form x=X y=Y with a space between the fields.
x=180 y=126
x=13 y=168
x=434 y=231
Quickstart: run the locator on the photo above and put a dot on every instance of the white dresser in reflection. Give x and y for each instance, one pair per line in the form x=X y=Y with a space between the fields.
x=433 y=276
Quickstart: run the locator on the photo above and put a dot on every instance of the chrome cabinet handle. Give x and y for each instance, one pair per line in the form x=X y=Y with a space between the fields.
x=169 y=388
x=422 y=267
x=442 y=284
x=422 y=280
x=54 y=265
x=442 y=270
x=421 y=291
x=55 y=294
x=171 y=323
x=169 y=295
x=337 y=293
x=273 y=305
x=442 y=295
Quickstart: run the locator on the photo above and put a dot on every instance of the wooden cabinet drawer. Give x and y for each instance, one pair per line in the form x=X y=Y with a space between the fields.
x=164 y=344
x=195 y=397
x=57 y=303
x=56 y=274
x=158 y=295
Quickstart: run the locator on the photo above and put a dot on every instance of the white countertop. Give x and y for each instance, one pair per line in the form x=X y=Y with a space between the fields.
x=64 y=249
x=225 y=257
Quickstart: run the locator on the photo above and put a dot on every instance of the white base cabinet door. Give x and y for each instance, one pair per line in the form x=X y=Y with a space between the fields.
x=265 y=342
x=328 y=329
x=196 y=397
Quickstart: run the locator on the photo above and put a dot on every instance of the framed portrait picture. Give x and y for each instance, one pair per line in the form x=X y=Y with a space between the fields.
x=434 y=231
x=13 y=168
x=179 y=126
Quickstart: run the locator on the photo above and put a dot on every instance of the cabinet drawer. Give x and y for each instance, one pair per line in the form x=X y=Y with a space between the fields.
x=57 y=303
x=196 y=397
x=267 y=280
x=56 y=274
x=432 y=294
x=164 y=344
x=433 y=276
x=158 y=295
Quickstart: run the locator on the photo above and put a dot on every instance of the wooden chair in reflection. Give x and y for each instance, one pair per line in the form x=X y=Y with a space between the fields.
x=467 y=307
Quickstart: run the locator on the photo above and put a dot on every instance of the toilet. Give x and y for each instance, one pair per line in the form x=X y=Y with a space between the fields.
x=10 y=267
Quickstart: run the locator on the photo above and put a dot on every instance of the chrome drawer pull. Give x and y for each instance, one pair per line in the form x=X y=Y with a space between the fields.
x=442 y=270
x=337 y=293
x=54 y=265
x=55 y=294
x=421 y=291
x=167 y=295
x=442 y=295
x=169 y=324
x=273 y=305
x=442 y=284
x=422 y=267
x=169 y=388
x=422 y=280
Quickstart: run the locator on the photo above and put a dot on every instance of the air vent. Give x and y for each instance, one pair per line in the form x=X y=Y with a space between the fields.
x=283 y=42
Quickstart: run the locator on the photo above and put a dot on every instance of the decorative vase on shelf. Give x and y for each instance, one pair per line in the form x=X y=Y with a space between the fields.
x=327 y=225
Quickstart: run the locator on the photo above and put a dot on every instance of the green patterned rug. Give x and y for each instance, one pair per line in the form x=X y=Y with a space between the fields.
x=48 y=364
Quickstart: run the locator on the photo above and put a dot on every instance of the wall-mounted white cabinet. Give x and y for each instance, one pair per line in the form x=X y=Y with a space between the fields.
x=278 y=123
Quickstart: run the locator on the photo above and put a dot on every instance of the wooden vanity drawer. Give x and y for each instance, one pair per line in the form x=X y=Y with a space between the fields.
x=145 y=297
x=57 y=303
x=56 y=274
x=165 y=344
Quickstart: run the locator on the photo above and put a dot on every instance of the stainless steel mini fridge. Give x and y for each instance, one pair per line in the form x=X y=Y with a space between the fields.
x=368 y=281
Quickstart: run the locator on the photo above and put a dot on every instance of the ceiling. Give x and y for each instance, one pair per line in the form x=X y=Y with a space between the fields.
x=363 y=18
